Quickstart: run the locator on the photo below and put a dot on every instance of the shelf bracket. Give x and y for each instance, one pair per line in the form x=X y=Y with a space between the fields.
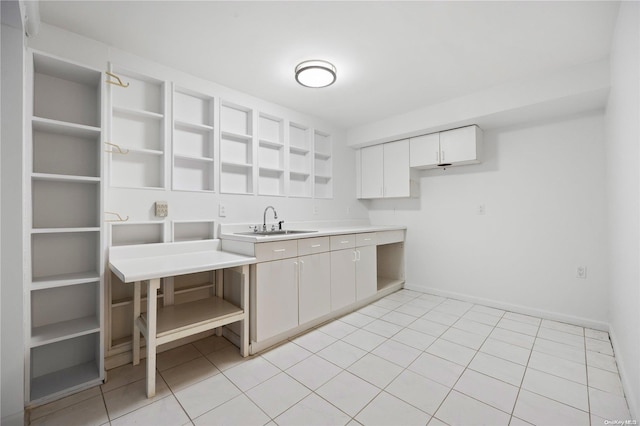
x=118 y=83
x=117 y=149
x=119 y=218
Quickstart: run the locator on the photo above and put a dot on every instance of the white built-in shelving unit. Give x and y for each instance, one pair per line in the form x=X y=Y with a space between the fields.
x=193 y=141
x=137 y=137
x=63 y=299
x=300 y=161
x=323 y=165
x=271 y=155
x=236 y=149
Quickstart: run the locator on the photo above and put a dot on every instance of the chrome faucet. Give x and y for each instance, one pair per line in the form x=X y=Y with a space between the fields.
x=264 y=217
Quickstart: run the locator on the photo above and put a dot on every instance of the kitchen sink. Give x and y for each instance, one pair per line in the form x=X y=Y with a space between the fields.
x=275 y=232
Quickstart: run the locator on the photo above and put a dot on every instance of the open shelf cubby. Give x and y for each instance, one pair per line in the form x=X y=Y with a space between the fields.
x=76 y=204
x=64 y=365
x=138 y=114
x=323 y=165
x=271 y=159
x=193 y=159
x=65 y=149
x=64 y=254
x=236 y=149
x=193 y=230
x=57 y=83
x=57 y=313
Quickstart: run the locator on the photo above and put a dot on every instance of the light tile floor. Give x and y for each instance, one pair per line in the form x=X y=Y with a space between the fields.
x=410 y=358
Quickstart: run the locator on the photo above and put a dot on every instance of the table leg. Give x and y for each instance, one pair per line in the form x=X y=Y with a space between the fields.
x=219 y=292
x=136 y=329
x=152 y=313
x=244 y=324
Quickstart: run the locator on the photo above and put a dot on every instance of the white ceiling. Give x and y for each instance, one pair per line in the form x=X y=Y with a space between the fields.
x=392 y=56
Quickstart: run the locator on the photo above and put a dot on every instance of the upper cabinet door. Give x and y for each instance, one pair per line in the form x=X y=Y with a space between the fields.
x=397 y=179
x=372 y=164
x=425 y=151
x=460 y=145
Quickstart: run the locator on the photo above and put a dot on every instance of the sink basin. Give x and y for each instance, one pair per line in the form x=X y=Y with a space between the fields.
x=276 y=232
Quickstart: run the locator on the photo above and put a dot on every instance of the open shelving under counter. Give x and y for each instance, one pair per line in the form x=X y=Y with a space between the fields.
x=149 y=263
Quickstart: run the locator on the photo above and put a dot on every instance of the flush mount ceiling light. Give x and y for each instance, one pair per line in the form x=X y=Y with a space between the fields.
x=315 y=73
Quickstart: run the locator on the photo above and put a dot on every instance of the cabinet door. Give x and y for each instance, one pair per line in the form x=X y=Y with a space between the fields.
x=276 y=297
x=366 y=272
x=372 y=172
x=458 y=145
x=343 y=278
x=397 y=179
x=314 y=287
x=425 y=151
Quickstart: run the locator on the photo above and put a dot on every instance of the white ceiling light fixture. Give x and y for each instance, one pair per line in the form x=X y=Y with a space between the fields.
x=315 y=73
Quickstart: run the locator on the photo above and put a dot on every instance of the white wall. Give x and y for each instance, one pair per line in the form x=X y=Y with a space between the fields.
x=543 y=188
x=11 y=335
x=623 y=189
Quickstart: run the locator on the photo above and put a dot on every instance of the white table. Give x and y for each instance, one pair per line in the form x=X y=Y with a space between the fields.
x=148 y=263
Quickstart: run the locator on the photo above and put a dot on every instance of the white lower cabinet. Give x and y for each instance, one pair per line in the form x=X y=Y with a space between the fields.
x=366 y=272
x=297 y=284
x=314 y=296
x=343 y=278
x=353 y=270
x=276 y=307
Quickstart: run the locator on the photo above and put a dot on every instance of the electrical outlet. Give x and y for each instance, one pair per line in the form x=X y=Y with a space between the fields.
x=162 y=209
x=315 y=209
x=482 y=209
x=222 y=210
x=581 y=272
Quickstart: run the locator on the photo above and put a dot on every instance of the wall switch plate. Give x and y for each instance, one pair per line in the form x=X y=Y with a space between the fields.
x=581 y=272
x=162 y=209
x=222 y=210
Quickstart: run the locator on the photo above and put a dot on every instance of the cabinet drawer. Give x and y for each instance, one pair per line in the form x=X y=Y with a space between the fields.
x=339 y=242
x=276 y=250
x=366 y=239
x=313 y=245
x=388 y=237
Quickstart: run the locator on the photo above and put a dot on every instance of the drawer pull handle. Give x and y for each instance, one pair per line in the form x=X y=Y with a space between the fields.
x=279 y=250
x=316 y=245
x=367 y=239
x=344 y=242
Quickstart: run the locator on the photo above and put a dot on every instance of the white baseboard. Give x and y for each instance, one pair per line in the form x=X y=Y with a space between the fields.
x=632 y=397
x=555 y=316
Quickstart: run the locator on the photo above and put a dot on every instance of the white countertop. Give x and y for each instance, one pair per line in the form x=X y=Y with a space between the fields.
x=149 y=261
x=229 y=232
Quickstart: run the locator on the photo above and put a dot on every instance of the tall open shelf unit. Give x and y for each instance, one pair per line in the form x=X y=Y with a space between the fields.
x=63 y=299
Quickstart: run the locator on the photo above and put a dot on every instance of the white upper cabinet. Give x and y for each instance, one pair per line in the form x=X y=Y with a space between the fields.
x=372 y=177
x=450 y=148
x=397 y=179
x=384 y=170
x=425 y=151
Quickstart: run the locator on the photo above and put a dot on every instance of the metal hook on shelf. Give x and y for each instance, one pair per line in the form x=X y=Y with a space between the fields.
x=119 y=219
x=116 y=83
x=118 y=150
